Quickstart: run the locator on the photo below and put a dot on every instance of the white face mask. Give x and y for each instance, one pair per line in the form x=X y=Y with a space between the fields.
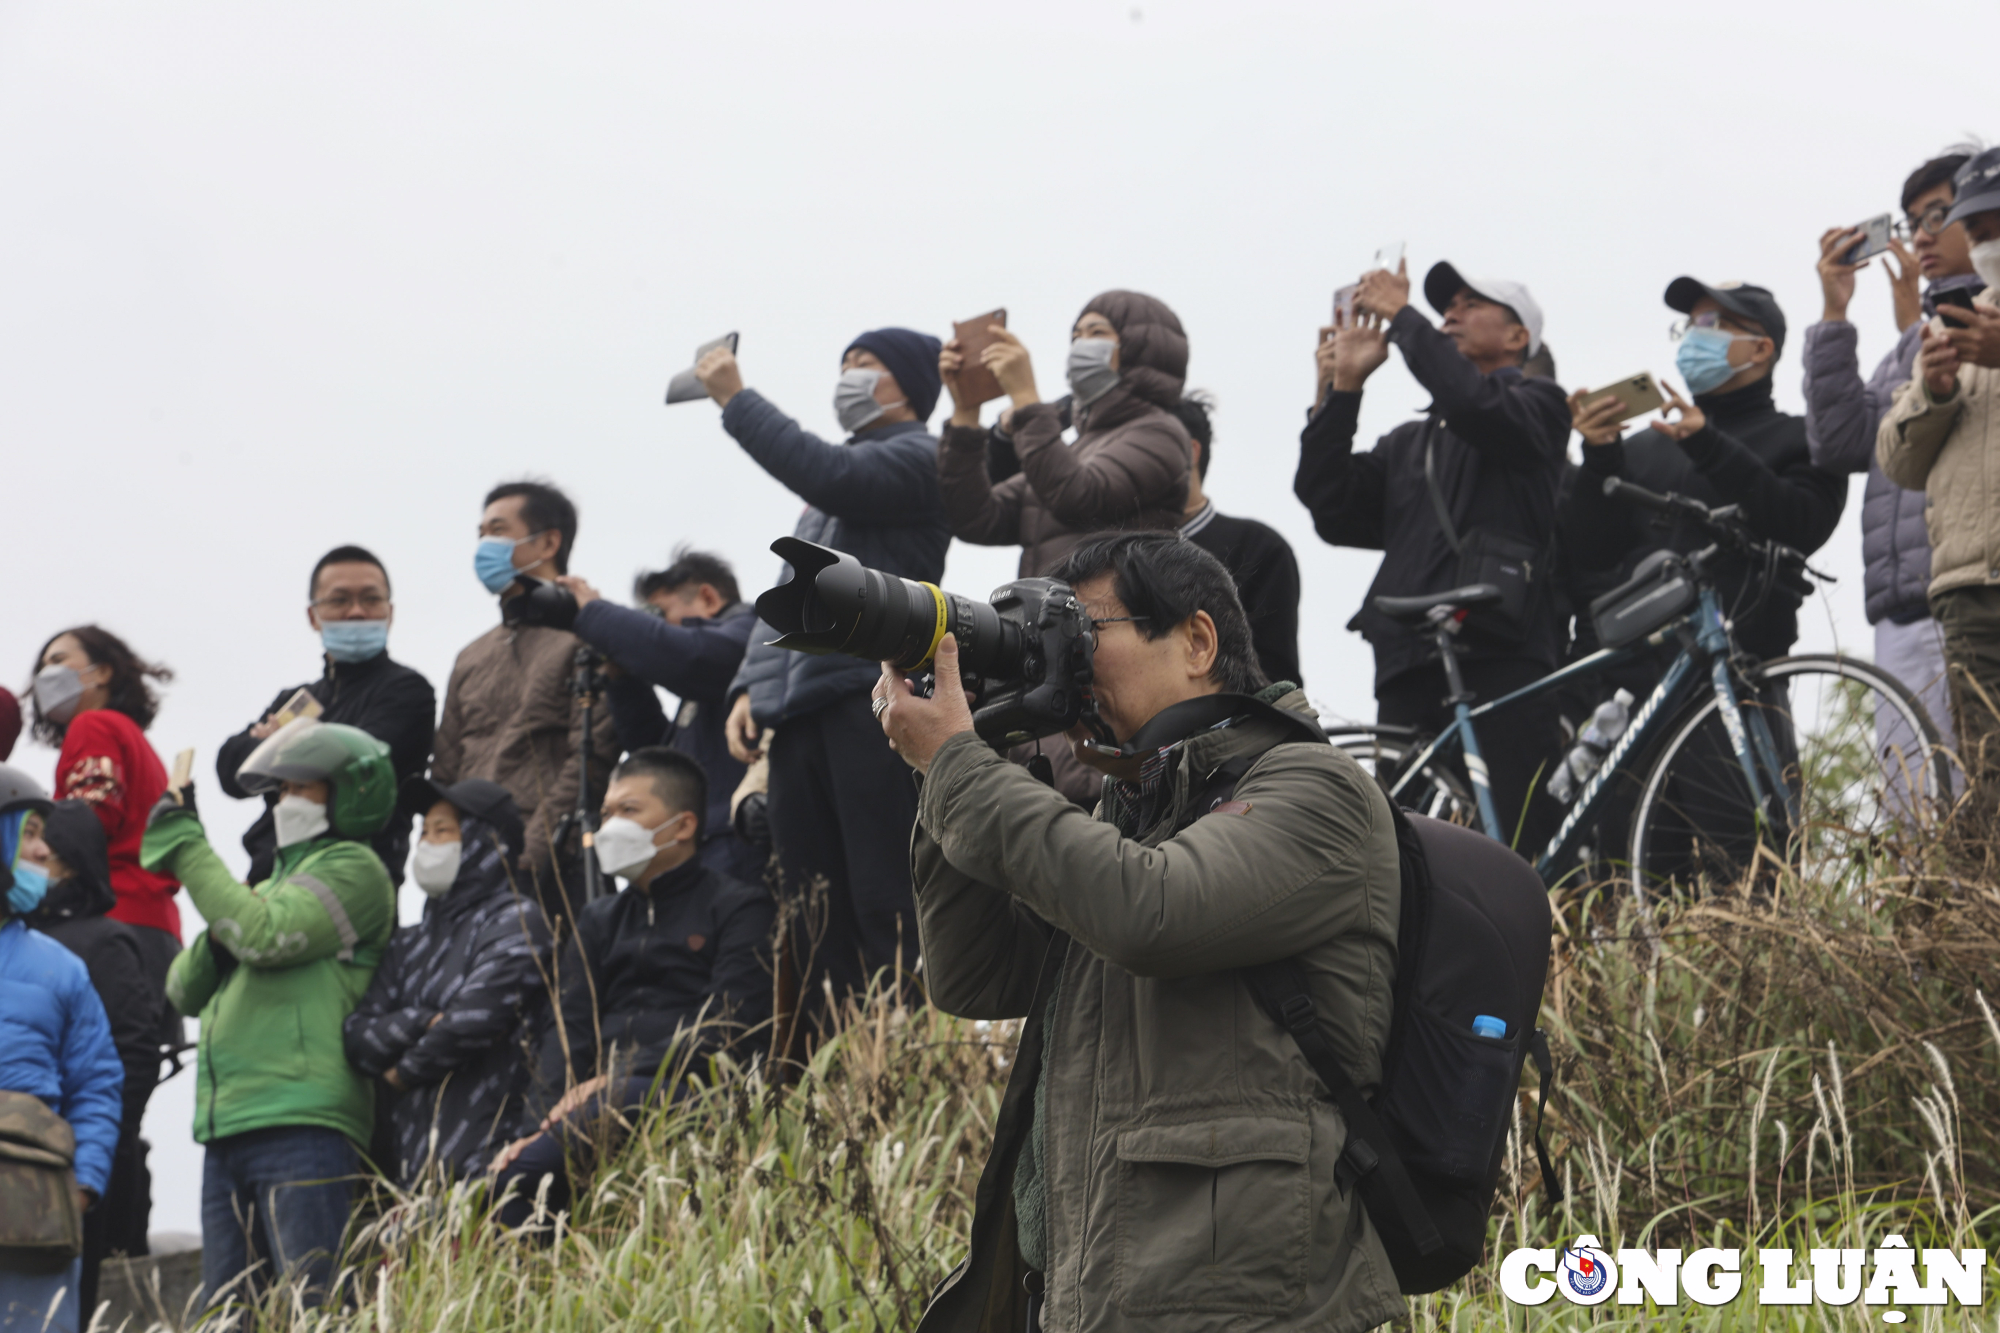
x=1091 y=374
x=57 y=690
x=434 y=866
x=298 y=819
x=1986 y=262
x=624 y=847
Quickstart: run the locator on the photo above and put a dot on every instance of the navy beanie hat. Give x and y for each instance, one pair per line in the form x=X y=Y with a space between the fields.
x=912 y=358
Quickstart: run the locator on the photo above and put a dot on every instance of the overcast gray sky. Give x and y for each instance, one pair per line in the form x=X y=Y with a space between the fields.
x=275 y=277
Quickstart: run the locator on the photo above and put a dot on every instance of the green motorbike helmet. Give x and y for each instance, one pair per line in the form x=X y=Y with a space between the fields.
x=354 y=765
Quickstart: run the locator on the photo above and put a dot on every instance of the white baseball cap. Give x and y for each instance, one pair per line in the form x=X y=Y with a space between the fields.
x=1444 y=282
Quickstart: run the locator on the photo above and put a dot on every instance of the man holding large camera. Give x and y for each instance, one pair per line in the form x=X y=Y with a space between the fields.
x=840 y=805
x=1465 y=495
x=511 y=711
x=1165 y=1156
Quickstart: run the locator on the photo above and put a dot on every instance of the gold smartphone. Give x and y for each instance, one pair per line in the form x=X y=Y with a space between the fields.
x=183 y=770
x=1636 y=394
x=301 y=704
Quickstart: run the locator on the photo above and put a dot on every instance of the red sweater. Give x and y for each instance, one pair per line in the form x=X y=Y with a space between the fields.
x=107 y=761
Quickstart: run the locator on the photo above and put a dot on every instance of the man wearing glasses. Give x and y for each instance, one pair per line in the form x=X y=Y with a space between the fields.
x=1730 y=445
x=351 y=611
x=1843 y=414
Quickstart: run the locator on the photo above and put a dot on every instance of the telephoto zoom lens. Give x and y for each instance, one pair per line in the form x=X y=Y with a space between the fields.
x=835 y=604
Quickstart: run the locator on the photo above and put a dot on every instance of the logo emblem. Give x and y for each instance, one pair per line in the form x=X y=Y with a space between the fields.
x=1585 y=1272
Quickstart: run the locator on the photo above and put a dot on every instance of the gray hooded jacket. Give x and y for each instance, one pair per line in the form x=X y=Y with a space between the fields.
x=1843 y=414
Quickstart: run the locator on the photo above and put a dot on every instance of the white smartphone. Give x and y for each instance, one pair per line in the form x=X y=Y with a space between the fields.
x=1388 y=257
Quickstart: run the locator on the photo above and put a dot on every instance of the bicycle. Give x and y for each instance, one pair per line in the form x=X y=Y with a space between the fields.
x=1728 y=773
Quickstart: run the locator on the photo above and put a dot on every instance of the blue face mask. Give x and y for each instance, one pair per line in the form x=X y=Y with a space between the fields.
x=1703 y=360
x=494 y=562
x=354 y=640
x=31 y=885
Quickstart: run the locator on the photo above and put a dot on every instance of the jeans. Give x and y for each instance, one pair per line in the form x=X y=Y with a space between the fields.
x=278 y=1197
x=1913 y=654
x=25 y=1299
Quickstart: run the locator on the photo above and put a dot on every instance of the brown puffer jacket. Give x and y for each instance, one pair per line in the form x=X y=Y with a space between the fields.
x=1127 y=469
x=509 y=717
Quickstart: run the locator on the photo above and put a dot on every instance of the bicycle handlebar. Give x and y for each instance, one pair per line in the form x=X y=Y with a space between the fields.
x=1727 y=524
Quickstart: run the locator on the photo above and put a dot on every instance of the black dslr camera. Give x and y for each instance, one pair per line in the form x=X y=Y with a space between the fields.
x=1025 y=653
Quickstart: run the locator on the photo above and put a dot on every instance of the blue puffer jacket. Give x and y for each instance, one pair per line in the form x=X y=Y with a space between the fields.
x=55 y=1044
x=876 y=498
x=1842 y=417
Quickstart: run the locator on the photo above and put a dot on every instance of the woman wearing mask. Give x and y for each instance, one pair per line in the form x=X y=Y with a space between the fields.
x=57 y=1061
x=444 y=1020
x=1129 y=465
x=70 y=852
x=92 y=699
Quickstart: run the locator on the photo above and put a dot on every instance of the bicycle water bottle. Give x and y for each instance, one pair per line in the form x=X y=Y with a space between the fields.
x=1599 y=734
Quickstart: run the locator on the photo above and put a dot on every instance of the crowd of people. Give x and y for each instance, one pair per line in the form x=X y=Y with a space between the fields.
x=777 y=857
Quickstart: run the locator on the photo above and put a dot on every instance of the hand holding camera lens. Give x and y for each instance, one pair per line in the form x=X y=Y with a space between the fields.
x=917 y=726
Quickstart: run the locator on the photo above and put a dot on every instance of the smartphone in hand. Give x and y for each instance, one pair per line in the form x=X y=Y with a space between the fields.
x=1388 y=257
x=1874 y=240
x=976 y=383
x=301 y=704
x=1636 y=395
x=1343 y=305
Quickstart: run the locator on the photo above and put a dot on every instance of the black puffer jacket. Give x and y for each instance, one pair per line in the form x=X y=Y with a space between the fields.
x=1749 y=454
x=450 y=1009
x=692 y=947
x=874 y=497
x=391 y=702
x=73 y=915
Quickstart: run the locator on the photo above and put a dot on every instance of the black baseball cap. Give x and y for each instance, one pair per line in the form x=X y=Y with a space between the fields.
x=474 y=796
x=1741 y=299
x=1976 y=187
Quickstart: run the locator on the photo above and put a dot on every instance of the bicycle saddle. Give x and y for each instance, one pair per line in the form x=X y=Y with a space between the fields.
x=1413 y=610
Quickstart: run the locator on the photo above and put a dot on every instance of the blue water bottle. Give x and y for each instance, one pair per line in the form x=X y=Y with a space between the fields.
x=1486 y=1025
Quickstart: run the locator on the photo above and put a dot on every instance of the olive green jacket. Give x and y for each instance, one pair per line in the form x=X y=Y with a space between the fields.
x=1188 y=1149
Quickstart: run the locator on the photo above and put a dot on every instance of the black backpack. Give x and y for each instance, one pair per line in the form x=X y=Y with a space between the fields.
x=1426 y=1151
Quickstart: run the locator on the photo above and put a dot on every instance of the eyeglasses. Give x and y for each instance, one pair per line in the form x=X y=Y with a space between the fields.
x=1707 y=319
x=1931 y=223
x=1111 y=620
x=341 y=603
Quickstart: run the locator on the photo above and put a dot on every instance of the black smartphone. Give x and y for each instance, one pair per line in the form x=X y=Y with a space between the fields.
x=1960 y=298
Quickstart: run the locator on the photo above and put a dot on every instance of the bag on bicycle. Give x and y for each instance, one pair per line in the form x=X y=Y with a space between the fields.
x=1426 y=1150
x=1659 y=591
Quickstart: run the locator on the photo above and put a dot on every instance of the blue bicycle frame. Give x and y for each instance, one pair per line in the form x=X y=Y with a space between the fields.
x=1750 y=734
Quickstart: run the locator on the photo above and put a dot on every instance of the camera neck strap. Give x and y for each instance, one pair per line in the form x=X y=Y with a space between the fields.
x=1437 y=496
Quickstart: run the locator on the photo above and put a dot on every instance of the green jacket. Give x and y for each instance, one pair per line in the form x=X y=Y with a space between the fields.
x=273 y=977
x=1188 y=1150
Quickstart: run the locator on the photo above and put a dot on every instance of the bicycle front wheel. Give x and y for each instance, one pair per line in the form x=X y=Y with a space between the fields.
x=1855 y=754
x=1387 y=752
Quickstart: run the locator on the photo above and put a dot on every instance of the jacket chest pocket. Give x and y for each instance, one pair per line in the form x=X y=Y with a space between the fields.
x=1213 y=1215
